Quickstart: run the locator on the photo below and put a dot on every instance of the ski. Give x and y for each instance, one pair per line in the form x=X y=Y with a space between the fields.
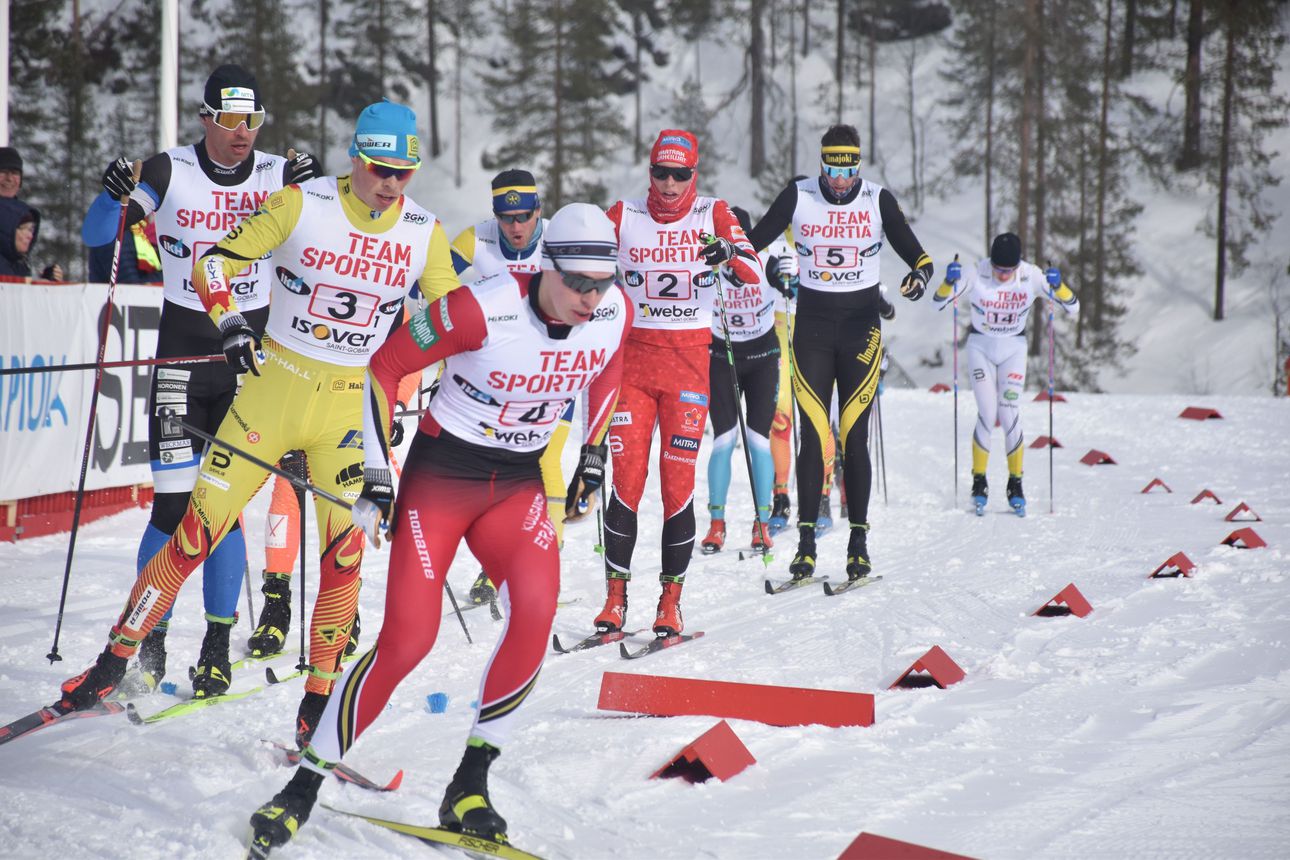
x=184 y=707
x=592 y=641
x=476 y=846
x=789 y=585
x=341 y=771
x=52 y=715
x=657 y=644
x=850 y=585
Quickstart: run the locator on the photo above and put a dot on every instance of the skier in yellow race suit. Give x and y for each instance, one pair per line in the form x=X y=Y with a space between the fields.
x=346 y=251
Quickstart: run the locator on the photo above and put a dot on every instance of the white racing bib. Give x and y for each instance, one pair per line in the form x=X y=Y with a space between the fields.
x=838 y=246
x=662 y=272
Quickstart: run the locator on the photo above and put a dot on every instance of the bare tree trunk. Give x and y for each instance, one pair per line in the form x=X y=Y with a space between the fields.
x=324 y=83
x=1224 y=160
x=757 y=76
x=916 y=191
x=1026 y=129
x=637 y=36
x=838 y=56
x=557 y=158
x=380 y=45
x=792 y=85
x=432 y=60
x=806 y=27
x=989 y=132
x=456 y=93
x=1173 y=19
x=1126 y=50
x=1041 y=175
x=873 y=97
x=1103 y=164
x=1082 y=270
x=1190 y=156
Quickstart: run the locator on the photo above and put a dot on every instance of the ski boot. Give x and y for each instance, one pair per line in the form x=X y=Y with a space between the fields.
x=213 y=675
x=614 y=615
x=858 y=553
x=761 y=540
x=307 y=717
x=91 y=686
x=779 y=511
x=715 y=539
x=803 y=564
x=351 y=646
x=980 y=493
x=466 y=807
x=824 y=521
x=145 y=675
x=482 y=591
x=275 y=616
x=275 y=822
x=1016 y=498
x=667 y=620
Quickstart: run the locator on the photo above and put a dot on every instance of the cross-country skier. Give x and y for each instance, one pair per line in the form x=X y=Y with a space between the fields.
x=668 y=244
x=347 y=249
x=750 y=320
x=840 y=223
x=517 y=349
x=197 y=192
x=1001 y=291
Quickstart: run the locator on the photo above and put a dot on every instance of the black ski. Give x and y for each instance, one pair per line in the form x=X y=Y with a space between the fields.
x=52 y=715
x=657 y=644
x=341 y=771
x=789 y=585
x=850 y=585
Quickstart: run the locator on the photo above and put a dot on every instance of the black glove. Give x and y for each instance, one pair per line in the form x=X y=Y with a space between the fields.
x=886 y=309
x=375 y=506
x=118 y=179
x=914 y=284
x=587 y=478
x=717 y=251
x=303 y=166
x=241 y=345
x=293 y=462
x=396 y=428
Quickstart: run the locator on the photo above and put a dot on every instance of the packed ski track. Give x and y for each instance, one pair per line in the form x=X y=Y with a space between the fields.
x=1158 y=726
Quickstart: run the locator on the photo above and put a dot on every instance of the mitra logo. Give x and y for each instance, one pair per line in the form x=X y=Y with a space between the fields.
x=685 y=443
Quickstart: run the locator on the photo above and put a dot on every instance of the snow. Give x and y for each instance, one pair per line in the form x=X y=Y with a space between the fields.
x=1158 y=726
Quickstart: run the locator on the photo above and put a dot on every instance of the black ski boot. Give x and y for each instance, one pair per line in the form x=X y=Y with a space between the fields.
x=213 y=675
x=803 y=564
x=307 y=717
x=1016 y=498
x=351 y=646
x=91 y=686
x=145 y=675
x=857 y=552
x=275 y=616
x=466 y=807
x=482 y=590
x=275 y=822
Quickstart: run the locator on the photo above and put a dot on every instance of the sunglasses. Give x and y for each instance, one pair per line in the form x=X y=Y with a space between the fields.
x=232 y=119
x=387 y=171
x=841 y=172
x=581 y=283
x=680 y=174
x=517 y=217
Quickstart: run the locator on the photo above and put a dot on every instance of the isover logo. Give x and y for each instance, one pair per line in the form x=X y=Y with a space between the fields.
x=648 y=311
x=174 y=247
x=330 y=335
x=292 y=282
x=841 y=277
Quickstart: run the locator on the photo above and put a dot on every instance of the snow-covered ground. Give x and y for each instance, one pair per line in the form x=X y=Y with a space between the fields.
x=1158 y=726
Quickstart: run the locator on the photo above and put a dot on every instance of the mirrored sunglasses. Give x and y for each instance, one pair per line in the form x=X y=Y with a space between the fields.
x=385 y=170
x=841 y=172
x=581 y=283
x=232 y=119
x=680 y=174
x=516 y=217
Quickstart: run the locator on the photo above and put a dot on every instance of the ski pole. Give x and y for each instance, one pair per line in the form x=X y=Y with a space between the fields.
x=954 y=343
x=881 y=448
x=303 y=663
x=53 y=656
x=250 y=607
x=1051 y=301
x=89 y=365
x=739 y=400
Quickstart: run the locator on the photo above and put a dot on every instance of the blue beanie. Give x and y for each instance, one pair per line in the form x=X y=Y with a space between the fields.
x=387 y=130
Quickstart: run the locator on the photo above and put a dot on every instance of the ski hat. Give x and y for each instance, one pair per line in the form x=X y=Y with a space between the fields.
x=387 y=130
x=10 y=159
x=232 y=88
x=515 y=191
x=677 y=146
x=1005 y=251
x=582 y=238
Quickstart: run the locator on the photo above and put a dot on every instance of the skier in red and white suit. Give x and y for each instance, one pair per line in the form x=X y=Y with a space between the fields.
x=668 y=246
x=518 y=348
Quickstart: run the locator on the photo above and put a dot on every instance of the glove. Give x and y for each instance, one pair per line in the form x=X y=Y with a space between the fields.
x=953 y=272
x=1054 y=276
x=718 y=250
x=293 y=462
x=118 y=179
x=52 y=272
x=303 y=166
x=396 y=429
x=587 y=478
x=914 y=285
x=375 y=506
x=241 y=346
x=886 y=309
